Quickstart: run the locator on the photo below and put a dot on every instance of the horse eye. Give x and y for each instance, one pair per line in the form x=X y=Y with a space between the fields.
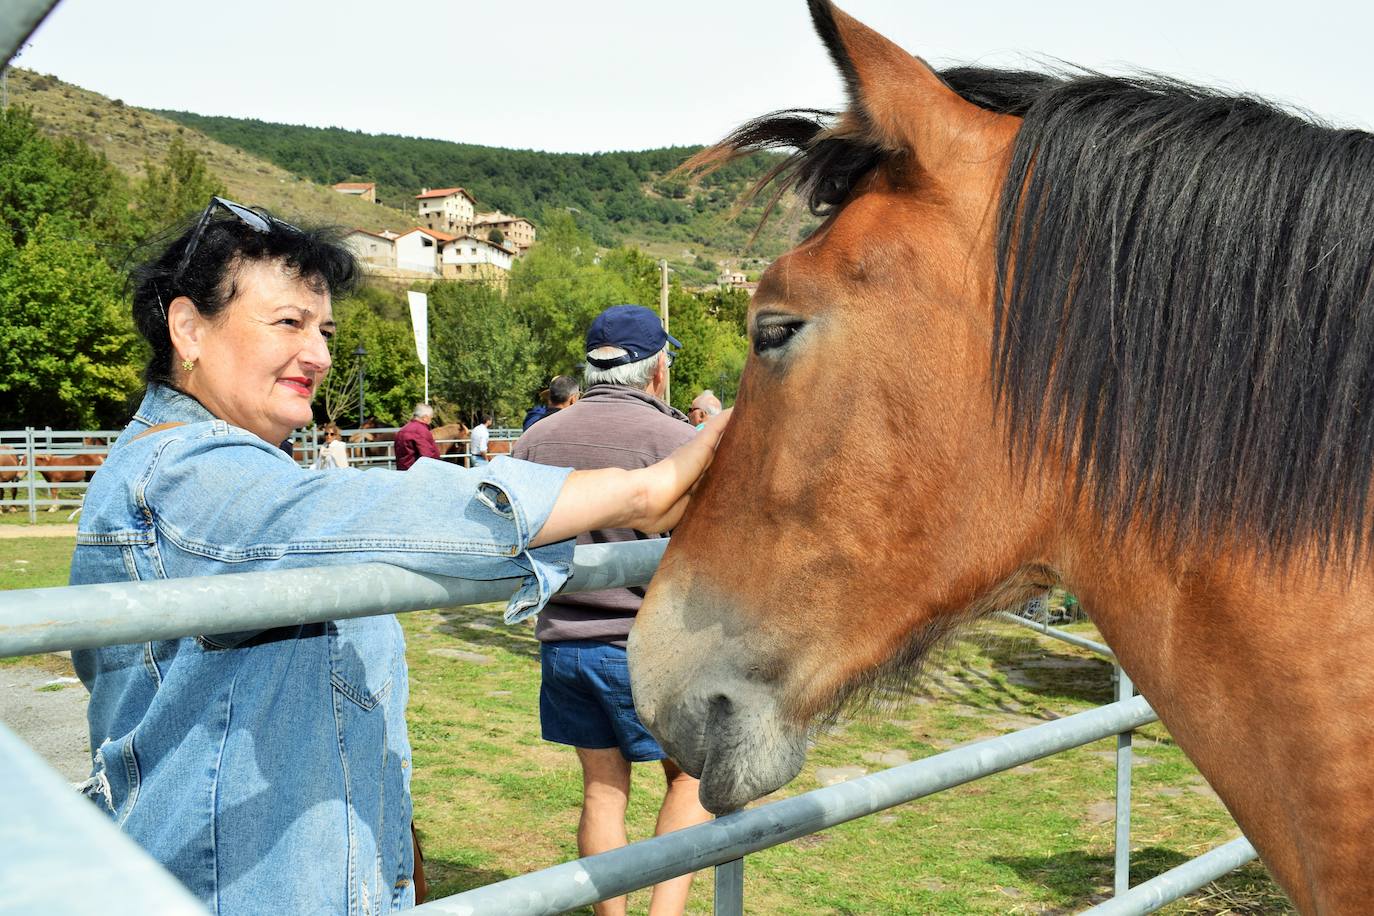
x=774 y=335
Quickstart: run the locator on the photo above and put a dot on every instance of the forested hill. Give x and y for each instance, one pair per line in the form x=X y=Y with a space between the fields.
x=617 y=197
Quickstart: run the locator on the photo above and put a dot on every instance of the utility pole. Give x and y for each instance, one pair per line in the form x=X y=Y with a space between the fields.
x=663 y=313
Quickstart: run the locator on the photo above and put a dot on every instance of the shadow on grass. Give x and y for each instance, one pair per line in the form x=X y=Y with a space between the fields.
x=447 y=877
x=1081 y=880
x=483 y=626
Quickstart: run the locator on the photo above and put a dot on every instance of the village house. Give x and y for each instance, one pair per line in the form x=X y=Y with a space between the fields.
x=418 y=249
x=375 y=248
x=469 y=257
x=366 y=190
x=732 y=278
x=451 y=210
x=517 y=232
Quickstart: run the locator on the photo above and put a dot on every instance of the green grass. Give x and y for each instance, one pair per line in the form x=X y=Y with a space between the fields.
x=493 y=801
x=40 y=562
x=1034 y=840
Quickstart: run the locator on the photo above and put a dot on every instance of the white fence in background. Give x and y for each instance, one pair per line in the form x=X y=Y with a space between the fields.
x=48 y=470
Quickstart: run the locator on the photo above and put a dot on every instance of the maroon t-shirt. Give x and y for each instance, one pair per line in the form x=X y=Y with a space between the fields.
x=413 y=442
x=612 y=426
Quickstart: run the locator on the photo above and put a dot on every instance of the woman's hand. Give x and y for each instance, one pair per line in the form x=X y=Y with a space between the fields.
x=649 y=499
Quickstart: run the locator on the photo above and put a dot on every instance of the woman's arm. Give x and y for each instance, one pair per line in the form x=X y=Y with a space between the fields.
x=649 y=499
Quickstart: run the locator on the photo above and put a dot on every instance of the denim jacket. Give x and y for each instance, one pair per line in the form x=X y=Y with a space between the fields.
x=270 y=771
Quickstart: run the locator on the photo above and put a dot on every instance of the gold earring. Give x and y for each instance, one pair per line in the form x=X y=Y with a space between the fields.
x=188 y=364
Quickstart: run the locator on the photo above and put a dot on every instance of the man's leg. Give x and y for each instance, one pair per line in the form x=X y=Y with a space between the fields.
x=681 y=808
x=605 y=795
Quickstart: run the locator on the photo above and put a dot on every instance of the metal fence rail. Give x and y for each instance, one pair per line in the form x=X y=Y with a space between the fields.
x=85 y=616
x=41 y=620
x=584 y=881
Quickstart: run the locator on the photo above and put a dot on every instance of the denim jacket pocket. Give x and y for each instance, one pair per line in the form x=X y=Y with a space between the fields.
x=359 y=655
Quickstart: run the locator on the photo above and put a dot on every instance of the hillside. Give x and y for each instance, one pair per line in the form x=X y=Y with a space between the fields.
x=617 y=197
x=129 y=137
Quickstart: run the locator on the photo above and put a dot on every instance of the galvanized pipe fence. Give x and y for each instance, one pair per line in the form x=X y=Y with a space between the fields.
x=36 y=801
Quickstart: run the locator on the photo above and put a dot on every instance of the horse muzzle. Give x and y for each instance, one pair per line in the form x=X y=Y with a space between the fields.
x=722 y=726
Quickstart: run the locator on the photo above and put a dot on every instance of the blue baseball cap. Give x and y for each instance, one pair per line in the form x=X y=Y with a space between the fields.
x=632 y=328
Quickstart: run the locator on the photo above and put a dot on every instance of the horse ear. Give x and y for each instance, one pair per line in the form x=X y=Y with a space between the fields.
x=899 y=101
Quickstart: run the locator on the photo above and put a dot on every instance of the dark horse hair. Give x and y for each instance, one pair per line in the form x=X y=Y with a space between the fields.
x=1190 y=318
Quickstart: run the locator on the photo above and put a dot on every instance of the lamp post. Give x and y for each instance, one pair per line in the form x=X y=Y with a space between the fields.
x=362 y=410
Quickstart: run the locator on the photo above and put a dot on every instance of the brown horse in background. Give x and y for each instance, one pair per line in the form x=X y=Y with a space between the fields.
x=1116 y=335
x=370 y=431
x=11 y=472
x=445 y=435
x=68 y=468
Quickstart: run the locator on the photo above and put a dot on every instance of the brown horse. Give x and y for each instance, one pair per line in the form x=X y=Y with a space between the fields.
x=370 y=431
x=70 y=468
x=1116 y=335
x=445 y=437
x=10 y=474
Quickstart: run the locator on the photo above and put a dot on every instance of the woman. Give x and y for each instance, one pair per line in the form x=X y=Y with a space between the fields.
x=333 y=453
x=270 y=771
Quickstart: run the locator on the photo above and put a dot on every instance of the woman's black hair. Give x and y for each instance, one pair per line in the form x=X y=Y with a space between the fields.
x=317 y=257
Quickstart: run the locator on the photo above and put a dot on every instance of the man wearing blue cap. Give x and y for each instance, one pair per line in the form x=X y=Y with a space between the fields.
x=584 y=700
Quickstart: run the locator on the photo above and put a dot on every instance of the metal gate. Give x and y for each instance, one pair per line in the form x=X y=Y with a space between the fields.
x=49 y=833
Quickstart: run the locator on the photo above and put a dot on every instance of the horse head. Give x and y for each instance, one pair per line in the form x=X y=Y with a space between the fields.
x=865 y=398
x=1113 y=333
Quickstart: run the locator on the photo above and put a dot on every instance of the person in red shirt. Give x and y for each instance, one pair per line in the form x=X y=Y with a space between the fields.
x=414 y=440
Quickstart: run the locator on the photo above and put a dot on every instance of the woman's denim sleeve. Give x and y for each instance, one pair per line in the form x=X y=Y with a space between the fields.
x=226 y=502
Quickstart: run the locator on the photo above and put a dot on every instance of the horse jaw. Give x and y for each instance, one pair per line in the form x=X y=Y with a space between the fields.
x=709 y=710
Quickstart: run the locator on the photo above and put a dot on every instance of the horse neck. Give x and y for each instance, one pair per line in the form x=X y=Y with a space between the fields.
x=1254 y=670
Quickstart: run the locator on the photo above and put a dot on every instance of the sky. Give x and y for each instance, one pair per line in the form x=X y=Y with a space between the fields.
x=572 y=76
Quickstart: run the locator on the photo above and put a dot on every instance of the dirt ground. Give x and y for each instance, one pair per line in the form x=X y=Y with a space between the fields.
x=43 y=703
x=37 y=531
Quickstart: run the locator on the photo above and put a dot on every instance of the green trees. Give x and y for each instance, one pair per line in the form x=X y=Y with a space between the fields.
x=74 y=187
x=393 y=377
x=182 y=185
x=618 y=195
x=69 y=225
x=69 y=355
x=480 y=353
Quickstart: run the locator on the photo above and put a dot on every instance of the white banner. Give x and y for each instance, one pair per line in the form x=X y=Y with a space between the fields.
x=419 y=320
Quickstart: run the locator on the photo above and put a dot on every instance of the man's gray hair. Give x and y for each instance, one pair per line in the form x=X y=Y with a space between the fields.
x=707 y=403
x=634 y=375
x=422 y=411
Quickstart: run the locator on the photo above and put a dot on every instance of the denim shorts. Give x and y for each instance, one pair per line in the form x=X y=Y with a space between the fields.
x=585 y=700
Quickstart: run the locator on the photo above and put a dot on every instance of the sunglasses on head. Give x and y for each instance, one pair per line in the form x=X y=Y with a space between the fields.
x=258 y=222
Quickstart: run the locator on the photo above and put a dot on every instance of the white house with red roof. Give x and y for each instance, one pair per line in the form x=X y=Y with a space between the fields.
x=446 y=209
x=418 y=249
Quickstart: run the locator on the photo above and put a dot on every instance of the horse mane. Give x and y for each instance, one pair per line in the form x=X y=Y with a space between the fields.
x=1190 y=318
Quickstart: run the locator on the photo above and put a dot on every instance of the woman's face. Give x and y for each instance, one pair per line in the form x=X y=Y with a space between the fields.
x=259 y=364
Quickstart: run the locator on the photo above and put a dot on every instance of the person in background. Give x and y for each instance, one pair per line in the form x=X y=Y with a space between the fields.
x=538 y=412
x=414 y=440
x=333 y=453
x=704 y=406
x=269 y=770
x=562 y=393
x=584 y=698
x=479 y=441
